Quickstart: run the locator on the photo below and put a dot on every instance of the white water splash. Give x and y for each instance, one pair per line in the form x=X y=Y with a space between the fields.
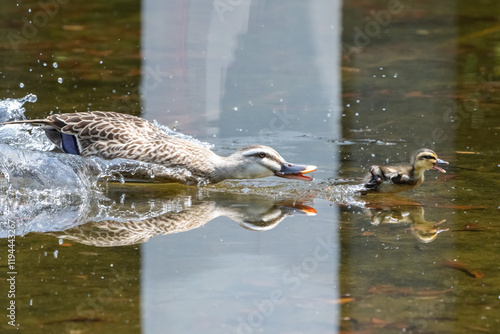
x=122 y=169
x=173 y=133
x=26 y=137
x=12 y=109
x=347 y=195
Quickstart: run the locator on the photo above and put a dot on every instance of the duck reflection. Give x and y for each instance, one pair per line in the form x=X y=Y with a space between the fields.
x=425 y=231
x=139 y=217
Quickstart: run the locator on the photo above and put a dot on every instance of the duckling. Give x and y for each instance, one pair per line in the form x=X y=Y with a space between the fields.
x=398 y=178
x=111 y=135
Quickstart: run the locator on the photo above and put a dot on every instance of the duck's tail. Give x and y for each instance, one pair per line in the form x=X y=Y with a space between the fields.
x=28 y=121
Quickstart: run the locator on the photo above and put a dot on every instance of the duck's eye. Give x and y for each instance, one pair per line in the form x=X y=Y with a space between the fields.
x=427 y=157
x=262 y=155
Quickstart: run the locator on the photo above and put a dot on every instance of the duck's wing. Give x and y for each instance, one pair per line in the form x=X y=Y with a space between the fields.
x=100 y=125
x=78 y=133
x=101 y=133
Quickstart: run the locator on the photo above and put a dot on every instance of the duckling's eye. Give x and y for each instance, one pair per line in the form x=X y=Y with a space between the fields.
x=262 y=155
x=427 y=157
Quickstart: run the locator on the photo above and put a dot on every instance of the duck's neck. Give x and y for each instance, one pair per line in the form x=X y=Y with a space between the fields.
x=418 y=174
x=226 y=168
x=195 y=162
x=201 y=162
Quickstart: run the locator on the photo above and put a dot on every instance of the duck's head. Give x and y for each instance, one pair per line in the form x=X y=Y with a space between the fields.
x=257 y=161
x=427 y=159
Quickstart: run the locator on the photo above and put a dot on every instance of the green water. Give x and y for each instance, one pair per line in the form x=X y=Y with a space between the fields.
x=405 y=75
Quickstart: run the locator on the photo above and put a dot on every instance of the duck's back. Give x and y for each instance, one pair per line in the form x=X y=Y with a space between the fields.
x=98 y=126
x=112 y=135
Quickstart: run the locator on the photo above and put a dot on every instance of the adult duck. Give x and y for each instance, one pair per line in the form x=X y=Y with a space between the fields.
x=402 y=177
x=111 y=135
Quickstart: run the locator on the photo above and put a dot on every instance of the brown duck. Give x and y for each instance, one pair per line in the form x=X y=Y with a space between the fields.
x=111 y=135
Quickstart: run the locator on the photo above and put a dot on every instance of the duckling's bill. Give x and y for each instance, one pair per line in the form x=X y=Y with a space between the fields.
x=296 y=172
x=294 y=207
x=439 y=161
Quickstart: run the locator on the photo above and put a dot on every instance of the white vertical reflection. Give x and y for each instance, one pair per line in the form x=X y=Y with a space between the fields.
x=205 y=280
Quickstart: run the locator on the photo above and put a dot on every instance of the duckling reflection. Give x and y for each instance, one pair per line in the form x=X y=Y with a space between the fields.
x=182 y=214
x=425 y=231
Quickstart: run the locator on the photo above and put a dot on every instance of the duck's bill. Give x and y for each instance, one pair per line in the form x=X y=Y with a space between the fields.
x=310 y=211
x=439 y=161
x=295 y=172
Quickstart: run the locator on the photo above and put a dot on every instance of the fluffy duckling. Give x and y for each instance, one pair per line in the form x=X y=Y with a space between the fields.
x=111 y=135
x=398 y=178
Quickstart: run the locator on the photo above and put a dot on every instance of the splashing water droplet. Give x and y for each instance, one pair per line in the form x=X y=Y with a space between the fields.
x=30 y=98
